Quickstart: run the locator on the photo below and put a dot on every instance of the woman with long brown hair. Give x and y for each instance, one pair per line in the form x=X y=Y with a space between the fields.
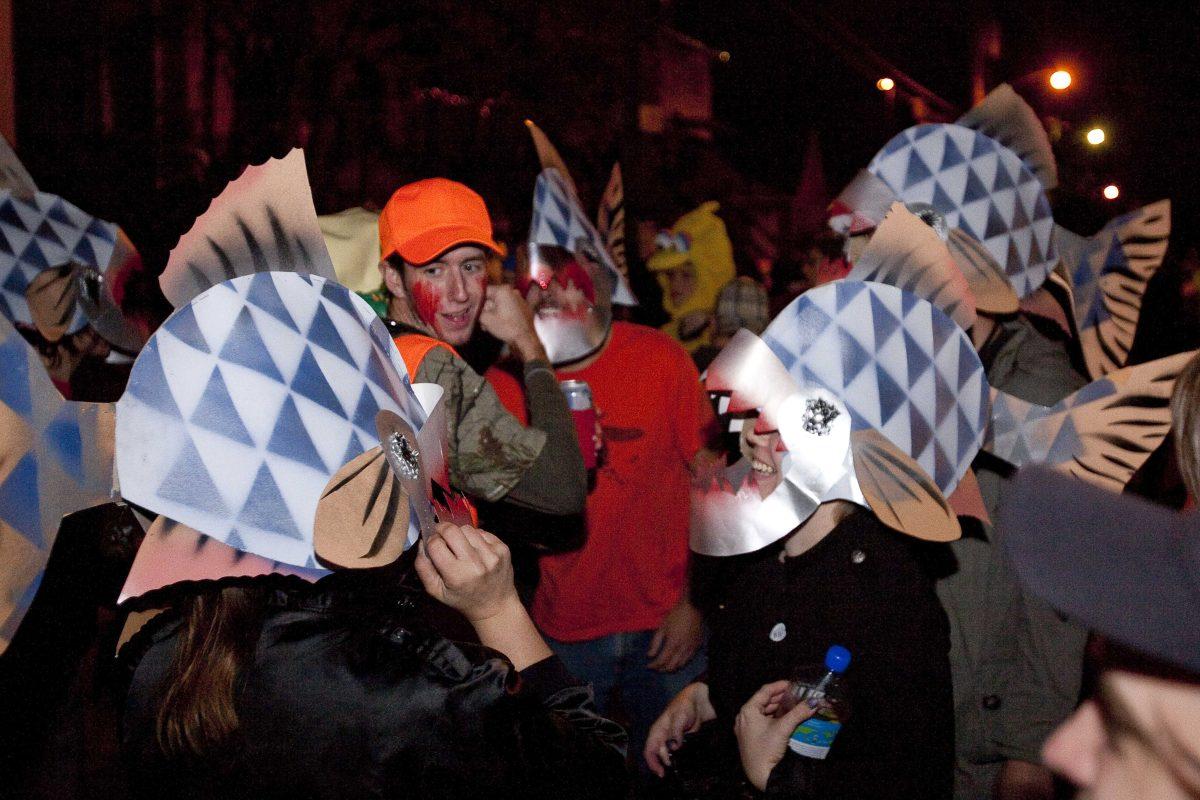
x=340 y=689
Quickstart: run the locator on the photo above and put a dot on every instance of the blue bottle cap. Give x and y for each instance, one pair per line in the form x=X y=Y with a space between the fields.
x=837 y=658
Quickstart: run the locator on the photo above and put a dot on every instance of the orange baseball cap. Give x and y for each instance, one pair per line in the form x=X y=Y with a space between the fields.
x=422 y=220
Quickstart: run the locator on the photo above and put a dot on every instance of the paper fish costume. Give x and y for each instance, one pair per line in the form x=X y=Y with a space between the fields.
x=559 y=221
x=879 y=399
x=59 y=265
x=982 y=188
x=252 y=423
x=565 y=249
x=56 y=457
x=1103 y=276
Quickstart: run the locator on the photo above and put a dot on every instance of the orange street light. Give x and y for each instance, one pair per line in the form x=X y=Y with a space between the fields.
x=1111 y=192
x=1096 y=136
x=885 y=84
x=1060 y=79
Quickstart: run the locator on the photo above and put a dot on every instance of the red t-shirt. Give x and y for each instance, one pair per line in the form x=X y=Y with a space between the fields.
x=632 y=569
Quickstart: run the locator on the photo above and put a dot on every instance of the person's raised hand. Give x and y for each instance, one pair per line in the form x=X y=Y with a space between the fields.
x=687 y=712
x=763 y=728
x=509 y=318
x=469 y=570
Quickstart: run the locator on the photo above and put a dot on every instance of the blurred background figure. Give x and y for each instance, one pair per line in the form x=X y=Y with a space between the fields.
x=742 y=303
x=693 y=259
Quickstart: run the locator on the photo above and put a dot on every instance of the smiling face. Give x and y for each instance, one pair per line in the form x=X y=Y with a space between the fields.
x=446 y=295
x=764 y=450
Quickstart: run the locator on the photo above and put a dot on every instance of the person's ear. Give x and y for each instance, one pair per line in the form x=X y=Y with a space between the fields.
x=393 y=279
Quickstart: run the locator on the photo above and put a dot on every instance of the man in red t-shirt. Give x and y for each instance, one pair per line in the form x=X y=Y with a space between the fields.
x=617 y=611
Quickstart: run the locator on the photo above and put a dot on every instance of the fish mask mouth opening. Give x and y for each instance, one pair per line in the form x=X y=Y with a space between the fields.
x=569 y=294
x=792 y=454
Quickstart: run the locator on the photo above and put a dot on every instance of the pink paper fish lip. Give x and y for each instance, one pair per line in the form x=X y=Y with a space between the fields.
x=172 y=553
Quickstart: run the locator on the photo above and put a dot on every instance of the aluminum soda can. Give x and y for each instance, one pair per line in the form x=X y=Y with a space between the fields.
x=583 y=411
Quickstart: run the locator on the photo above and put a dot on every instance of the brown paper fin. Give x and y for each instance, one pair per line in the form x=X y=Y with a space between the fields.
x=1120 y=432
x=13 y=175
x=1008 y=119
x=134 y=622
x=610 y=219
x=262 y=222
x=898 y=490
x=362 y=516
x=51 y=296
x=172 y=553
x=548 y=154
x=991 y=288
x=1102 y=433
x=967 y=500
x=906 y=253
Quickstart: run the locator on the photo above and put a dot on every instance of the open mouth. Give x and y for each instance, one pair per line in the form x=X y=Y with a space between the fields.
x=558 y=312
x=459 y=319
x=761 y=468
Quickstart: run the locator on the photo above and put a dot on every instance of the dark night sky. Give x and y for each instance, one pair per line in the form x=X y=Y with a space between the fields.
x=1137 y=72
x=1138 y=67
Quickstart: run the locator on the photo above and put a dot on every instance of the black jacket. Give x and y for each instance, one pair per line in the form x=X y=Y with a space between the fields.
x=867 y=588
x=350 y=697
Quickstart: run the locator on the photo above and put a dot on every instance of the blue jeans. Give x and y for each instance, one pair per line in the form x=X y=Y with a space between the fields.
x=616 y=664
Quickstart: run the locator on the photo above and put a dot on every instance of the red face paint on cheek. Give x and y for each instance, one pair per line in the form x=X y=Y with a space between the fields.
x=426 y=301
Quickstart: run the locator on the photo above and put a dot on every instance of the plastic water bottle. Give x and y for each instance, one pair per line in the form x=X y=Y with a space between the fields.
x=823 y=690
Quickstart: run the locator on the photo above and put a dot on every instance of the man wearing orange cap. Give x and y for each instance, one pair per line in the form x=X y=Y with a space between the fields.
x=435 y=237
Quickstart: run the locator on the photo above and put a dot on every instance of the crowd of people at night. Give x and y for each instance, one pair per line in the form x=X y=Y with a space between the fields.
x=390 y=506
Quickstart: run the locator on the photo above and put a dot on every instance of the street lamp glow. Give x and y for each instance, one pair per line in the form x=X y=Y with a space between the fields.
x=885 y=84
x=1111 y=192
x=1060 y=79
x=1096 y=136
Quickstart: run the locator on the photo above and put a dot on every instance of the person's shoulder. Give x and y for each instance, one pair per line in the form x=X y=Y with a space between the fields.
x=637 y=333
x=438 y=361
x=651 y=342
x=507 y=378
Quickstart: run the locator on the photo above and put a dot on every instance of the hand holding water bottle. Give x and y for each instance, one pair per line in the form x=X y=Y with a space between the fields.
x=764 y=726
x=823 y=690
x=803 y=715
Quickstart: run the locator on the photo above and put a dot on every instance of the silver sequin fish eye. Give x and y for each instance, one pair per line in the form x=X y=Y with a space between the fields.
x=931 y=217
x=818 y=416
x=91 y=280
x=407 y=456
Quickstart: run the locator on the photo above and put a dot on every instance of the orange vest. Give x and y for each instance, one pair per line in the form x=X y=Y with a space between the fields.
x=413 y=348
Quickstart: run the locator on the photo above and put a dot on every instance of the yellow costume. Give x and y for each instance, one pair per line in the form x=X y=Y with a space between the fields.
x=352 y=237
x=698 y=240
